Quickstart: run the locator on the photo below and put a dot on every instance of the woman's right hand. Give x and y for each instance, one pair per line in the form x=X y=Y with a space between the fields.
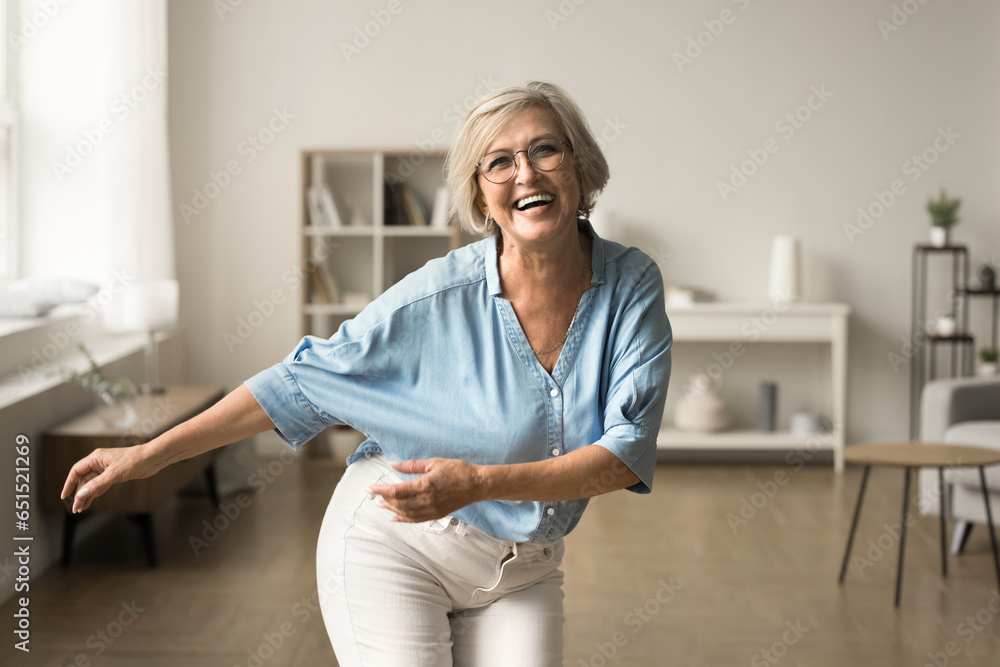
x=94 y=474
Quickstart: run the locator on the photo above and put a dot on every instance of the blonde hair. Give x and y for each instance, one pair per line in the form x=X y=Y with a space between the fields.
x=488 y=118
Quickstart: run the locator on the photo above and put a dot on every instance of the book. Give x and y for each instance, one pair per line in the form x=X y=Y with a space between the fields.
x=395 y=209
x=439 y=214
x=330 y=285
x=329 y=207
x=317 y=289
x=316 y=217
x=414 y=207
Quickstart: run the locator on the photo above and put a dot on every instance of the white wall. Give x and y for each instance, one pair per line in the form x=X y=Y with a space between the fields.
x=679 y=133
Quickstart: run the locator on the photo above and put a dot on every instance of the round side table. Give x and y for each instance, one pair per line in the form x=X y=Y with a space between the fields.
x=909 y=455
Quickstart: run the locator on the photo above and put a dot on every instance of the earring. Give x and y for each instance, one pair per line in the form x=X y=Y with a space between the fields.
x=486 y=222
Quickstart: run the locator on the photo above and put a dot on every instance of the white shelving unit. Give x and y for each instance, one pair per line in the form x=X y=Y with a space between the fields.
x=799 y=323
x=366 y=255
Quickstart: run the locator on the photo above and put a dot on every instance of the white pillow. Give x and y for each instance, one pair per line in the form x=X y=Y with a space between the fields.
x=35 y=297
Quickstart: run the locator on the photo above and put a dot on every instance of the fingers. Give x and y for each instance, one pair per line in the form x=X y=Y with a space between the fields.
x=87 y=479
x=397 y=491
x=412 y=467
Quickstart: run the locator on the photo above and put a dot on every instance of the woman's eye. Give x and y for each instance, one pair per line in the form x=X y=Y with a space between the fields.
x=500 y=162
x=544 y=150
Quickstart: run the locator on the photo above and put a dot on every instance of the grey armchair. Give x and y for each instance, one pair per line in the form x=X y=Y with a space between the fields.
x=961 y=411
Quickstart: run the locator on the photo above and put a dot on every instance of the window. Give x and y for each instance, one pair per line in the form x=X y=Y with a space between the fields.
x=8 y=143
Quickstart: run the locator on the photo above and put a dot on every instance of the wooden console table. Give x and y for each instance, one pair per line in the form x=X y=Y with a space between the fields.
x=66 y=444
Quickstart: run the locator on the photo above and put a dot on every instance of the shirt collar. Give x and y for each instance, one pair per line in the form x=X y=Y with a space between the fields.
x=596 y=258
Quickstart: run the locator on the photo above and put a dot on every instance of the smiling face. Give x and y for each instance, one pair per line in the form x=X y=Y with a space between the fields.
x=534 y=206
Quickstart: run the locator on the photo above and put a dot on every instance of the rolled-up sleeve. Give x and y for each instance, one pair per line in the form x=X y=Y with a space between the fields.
x=640 y=372
x=298 y=392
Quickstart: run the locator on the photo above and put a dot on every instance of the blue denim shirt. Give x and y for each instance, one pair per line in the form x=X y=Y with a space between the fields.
x=438 y=366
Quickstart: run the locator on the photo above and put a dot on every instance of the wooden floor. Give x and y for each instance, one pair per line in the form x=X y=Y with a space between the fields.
x=663 y=579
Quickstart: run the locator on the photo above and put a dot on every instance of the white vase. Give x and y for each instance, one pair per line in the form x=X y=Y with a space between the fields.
x=785 y=283
x=701 y=410
x=945 y=326
x=987 y=368
x=939 y=236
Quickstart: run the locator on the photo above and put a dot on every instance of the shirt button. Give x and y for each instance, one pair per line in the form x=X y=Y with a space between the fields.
x=547 y=552
x=553 y=392
x=454 y=521
x=550 y=511
x=368 y=455
x=555 y=452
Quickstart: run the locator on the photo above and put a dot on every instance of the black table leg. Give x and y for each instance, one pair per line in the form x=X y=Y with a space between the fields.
x=148 y=536
x=69 y=530
x=989 y=520
x=213 y=490
x=902 y=532
x=944 y=552
x=854 y=523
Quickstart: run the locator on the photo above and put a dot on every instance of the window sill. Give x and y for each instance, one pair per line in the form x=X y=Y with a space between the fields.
x=39 y=349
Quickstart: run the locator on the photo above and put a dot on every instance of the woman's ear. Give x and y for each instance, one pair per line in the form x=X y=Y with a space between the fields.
x=481 y=204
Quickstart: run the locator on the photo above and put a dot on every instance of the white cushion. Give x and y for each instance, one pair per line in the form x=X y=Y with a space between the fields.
x=976 y=434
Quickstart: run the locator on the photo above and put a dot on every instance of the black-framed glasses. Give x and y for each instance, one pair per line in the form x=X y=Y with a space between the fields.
x=544 y=154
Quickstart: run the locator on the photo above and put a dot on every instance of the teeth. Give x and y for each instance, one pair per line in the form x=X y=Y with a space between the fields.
x=528 y=200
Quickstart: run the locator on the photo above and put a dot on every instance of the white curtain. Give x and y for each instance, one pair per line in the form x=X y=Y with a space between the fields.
x=95 y=195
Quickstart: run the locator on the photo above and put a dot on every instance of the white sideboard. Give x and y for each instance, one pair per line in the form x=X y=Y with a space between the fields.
x=747 y=324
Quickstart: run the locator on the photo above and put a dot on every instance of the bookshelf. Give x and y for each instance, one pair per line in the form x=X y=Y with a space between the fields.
x=369 y=217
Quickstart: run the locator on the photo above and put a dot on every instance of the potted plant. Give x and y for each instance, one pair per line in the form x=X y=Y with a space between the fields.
x=114 y=398
x=944 y=216
x=988 y=362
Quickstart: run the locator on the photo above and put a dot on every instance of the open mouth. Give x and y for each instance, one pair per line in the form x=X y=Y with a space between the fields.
x=534 y=201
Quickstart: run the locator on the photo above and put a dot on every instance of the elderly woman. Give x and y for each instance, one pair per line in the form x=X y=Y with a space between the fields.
x=499 y=387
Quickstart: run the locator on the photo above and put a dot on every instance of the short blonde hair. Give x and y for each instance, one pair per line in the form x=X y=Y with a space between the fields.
x=488 y=118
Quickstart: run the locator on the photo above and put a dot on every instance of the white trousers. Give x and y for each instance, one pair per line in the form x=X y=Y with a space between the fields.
x=439 y=593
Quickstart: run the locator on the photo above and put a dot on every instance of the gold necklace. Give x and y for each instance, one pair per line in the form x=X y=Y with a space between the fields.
x=555 y=347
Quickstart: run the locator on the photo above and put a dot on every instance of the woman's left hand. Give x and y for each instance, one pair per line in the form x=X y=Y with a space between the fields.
x=444 y=486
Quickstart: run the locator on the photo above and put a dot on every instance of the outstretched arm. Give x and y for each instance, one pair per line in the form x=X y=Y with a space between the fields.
x=447 y=485
x=235 y=417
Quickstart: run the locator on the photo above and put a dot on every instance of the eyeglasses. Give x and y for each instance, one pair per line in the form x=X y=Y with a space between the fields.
x=500 y=166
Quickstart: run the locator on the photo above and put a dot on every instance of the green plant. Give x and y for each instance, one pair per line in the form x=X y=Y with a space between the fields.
x=944 y=210
x=989 y=356
x=93 y=380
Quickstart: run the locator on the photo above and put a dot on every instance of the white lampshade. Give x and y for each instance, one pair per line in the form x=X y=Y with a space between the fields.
x=150 y=305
